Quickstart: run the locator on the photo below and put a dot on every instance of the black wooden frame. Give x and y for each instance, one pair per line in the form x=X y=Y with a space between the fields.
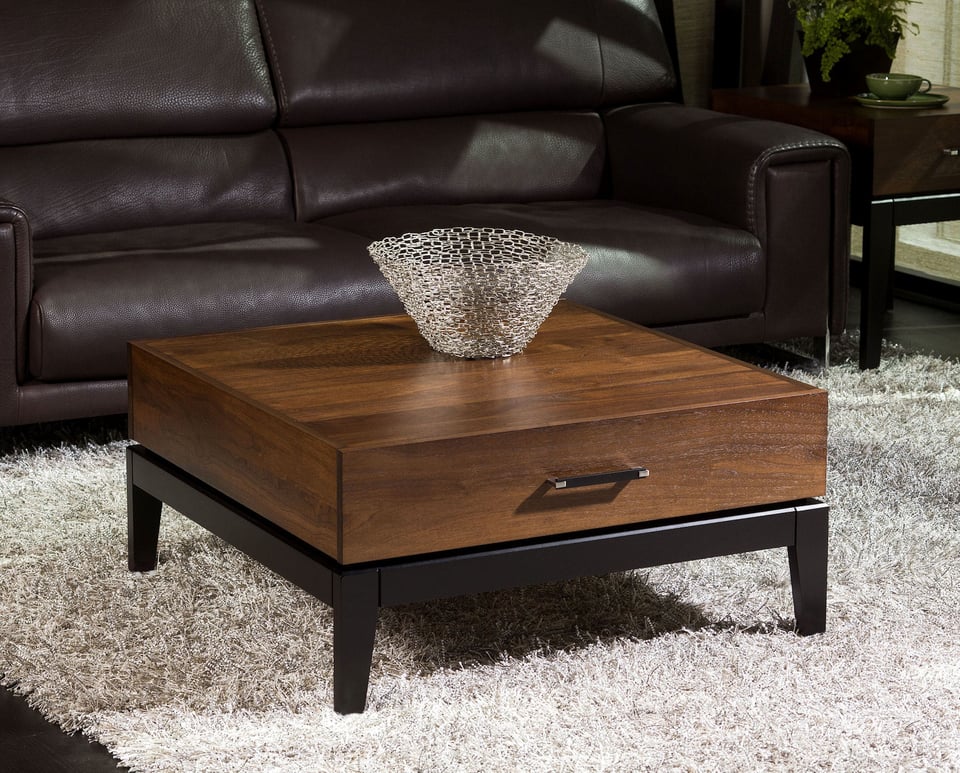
x=356 y=592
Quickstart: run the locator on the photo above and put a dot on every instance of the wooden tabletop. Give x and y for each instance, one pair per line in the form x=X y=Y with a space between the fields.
x=377 y=382
x=791 y=99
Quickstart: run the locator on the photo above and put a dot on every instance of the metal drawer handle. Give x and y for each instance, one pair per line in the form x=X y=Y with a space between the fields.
x=951 y=151
x=596 y=479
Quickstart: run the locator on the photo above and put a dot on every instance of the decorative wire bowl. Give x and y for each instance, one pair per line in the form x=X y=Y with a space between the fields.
x=478 y=292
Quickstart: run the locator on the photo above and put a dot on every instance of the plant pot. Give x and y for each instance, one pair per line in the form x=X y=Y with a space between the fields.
x=848 y=74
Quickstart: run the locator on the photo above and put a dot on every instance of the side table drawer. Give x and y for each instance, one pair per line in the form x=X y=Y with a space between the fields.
x=912 y=155
x=408 y=500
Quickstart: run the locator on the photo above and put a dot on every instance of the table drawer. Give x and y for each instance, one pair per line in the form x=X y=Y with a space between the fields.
x=914 y=155
x=407 y=500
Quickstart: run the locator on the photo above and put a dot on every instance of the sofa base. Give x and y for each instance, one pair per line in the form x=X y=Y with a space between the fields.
x=37 y=402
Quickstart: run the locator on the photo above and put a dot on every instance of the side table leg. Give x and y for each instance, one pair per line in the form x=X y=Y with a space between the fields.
x=879 y=237
x=143 y=524
x=356 y=603
x=808 y=569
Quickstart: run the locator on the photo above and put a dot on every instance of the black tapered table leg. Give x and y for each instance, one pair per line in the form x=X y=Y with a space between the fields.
x=808 y=569
x=356 y=604
x=143 y=524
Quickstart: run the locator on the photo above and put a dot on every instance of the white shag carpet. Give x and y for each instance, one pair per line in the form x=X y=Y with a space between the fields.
x=212 y=663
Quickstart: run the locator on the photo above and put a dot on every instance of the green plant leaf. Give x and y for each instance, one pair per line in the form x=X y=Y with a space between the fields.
x=831 y=26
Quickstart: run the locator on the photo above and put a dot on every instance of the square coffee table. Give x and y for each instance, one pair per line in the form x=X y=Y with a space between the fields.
x=372 y=471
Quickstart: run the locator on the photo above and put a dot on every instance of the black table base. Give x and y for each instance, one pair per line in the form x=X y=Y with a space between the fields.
x=356 y=592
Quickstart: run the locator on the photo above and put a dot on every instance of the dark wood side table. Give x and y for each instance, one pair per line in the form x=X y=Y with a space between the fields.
x=906 y=170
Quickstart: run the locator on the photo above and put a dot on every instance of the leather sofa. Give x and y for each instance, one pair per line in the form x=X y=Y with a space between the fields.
x=172 y=167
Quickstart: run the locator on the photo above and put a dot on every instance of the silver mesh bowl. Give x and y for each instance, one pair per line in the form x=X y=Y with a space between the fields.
x=478 y=292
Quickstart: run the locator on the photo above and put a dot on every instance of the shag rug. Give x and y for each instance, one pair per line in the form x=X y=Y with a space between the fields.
x=212 y=663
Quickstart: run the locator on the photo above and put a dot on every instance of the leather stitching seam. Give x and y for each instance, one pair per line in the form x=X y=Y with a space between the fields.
x=268 y=38
x=761 y=161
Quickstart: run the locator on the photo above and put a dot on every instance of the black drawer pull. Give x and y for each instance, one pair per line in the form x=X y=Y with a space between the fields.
x=596 y=479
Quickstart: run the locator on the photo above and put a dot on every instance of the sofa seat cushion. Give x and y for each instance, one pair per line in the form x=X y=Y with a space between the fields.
x=94 y=293
x=651 y=266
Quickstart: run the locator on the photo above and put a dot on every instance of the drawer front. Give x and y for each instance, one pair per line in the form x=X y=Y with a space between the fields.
x=409 y=500
x=914 y=156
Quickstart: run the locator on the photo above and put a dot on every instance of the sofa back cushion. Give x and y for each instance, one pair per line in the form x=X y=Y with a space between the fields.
x=87 y=186
x=513 y=157
x=125 y=114
x=81 y=69
x=346 y=61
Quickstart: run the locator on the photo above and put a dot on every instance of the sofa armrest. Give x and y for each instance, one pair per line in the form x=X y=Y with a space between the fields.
x=16 y=284
x=787 y=185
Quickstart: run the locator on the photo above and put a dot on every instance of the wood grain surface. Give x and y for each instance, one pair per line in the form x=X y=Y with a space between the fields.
x=360 y=439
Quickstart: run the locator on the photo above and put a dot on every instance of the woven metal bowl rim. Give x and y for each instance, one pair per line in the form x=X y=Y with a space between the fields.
x=476 y=291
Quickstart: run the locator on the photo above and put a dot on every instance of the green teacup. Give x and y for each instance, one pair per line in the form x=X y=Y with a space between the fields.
x=896 y=85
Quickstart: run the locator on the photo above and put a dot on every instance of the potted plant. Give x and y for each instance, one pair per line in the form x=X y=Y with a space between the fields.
x=844 y=40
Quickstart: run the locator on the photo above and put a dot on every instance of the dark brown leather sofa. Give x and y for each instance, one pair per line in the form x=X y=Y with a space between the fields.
x=175 y=166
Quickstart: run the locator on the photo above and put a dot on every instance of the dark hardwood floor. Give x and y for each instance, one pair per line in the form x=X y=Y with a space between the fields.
x=30 y=744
